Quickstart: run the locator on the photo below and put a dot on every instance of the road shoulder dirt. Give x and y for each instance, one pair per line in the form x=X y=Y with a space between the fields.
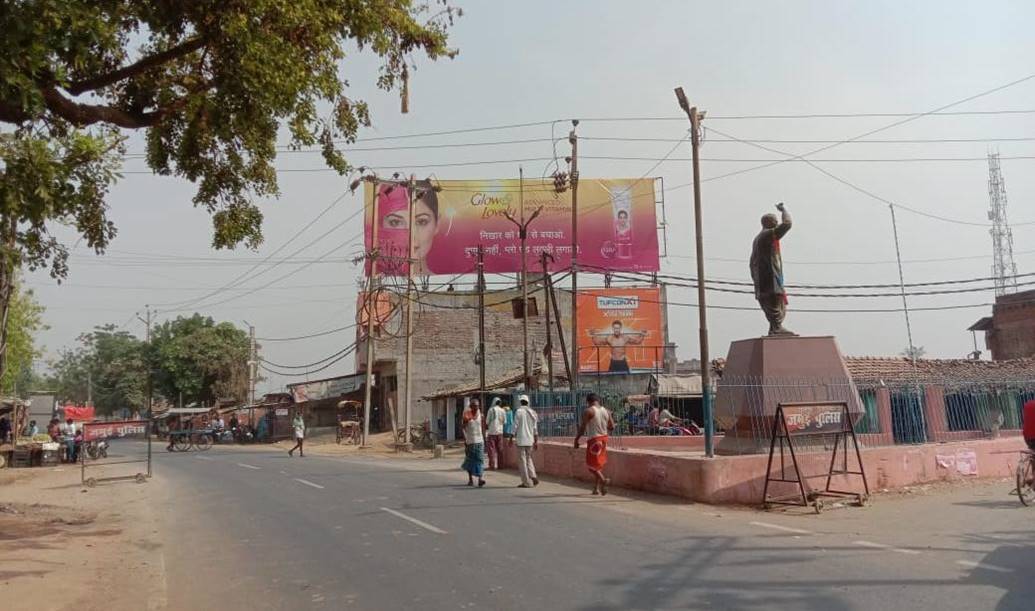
x=63 y=546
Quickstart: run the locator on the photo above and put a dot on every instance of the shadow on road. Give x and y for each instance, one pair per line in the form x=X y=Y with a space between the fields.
x=697 y=576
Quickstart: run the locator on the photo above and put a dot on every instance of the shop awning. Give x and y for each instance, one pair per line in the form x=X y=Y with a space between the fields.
x=674 y=385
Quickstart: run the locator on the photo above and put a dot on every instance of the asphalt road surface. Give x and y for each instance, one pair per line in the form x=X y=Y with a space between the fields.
x=254 y=529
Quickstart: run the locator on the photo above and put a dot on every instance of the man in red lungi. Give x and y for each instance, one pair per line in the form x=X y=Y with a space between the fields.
x=596 y=425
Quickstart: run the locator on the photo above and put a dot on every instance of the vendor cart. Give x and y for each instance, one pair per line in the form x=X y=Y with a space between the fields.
x=350 y=422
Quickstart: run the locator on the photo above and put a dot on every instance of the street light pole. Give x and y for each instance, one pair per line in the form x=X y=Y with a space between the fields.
x=410 y=261
x=702 y=309
x=522 y=226
x=371 y=307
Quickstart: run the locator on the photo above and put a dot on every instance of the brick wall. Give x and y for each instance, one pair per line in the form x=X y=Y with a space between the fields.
x=1013 y=332
x=445 y=342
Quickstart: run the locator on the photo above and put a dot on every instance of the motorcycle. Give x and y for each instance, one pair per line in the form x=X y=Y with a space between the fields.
x=241 y=434
x=97 y=449
x=687 y=429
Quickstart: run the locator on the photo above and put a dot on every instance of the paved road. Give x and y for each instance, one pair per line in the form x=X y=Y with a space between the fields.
x=253 y=529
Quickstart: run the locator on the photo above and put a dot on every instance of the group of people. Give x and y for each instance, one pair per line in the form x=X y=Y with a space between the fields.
x=521 y=429
x=657 y=420
x=69 y=435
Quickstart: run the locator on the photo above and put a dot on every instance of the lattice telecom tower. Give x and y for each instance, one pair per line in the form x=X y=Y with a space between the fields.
x=1004 y=270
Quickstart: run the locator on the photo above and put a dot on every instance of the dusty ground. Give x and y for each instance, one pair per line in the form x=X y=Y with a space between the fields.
x=63 y=546
x=322 y=442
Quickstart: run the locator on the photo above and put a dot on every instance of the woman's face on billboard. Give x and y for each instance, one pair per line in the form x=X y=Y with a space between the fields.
x=424 y=227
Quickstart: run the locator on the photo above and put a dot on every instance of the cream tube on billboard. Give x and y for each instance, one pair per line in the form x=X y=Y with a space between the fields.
x=621 y=208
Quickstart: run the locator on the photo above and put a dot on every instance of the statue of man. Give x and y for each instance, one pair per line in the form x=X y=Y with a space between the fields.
x=767 y=269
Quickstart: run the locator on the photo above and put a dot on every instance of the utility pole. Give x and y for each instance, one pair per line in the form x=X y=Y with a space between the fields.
x=481 y=326
x=560 y=327
x=706 y=387
x=371 y=307
x=253 y=363
x=410 y=260
x=574 y=180
x=548 y=350
x=522 y=226
x=150 y=388
x=89 y=388
x=523 y=232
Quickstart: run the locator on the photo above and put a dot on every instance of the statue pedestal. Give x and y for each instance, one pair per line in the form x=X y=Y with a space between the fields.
x=762 y=372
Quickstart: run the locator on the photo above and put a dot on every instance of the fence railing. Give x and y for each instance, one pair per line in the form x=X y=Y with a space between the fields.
x=901 y=412
x=890 y=413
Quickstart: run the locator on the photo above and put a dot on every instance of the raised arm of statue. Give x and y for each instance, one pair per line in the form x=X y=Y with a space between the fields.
x=785 y=223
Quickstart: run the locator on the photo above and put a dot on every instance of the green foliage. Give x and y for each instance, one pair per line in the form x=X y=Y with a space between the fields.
x=201 y=359
x=25 y=321
x=110 y=362
x=211 y=82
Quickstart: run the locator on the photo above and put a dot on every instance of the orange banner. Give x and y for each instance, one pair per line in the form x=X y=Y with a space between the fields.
x=620 y=330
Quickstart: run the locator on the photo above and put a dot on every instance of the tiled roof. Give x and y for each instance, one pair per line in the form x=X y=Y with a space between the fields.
x=869 y=369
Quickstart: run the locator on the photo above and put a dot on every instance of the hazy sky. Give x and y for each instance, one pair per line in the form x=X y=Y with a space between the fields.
x=537 y=61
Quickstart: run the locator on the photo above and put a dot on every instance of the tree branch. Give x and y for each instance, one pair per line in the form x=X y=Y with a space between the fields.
x=12 y=113
x=143 y=65
x=82 y=115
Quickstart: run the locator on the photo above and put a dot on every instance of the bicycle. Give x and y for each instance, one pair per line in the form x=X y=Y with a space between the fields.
x=185 y=440
x=1026 y=478
x=420 y=436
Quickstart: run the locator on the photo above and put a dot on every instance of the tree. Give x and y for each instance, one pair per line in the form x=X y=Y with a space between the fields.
x=211 y=82
x=201 y=359
x=109 y=367
x=914 y=352
x=25 y=321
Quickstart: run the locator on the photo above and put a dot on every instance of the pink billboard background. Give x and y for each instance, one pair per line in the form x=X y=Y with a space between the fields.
x=617 y=225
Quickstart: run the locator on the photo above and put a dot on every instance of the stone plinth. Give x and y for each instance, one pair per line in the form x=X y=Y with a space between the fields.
x=763 y=372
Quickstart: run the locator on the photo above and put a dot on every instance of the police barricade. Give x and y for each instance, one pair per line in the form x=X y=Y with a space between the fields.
x=805 y=430
x=110 y=444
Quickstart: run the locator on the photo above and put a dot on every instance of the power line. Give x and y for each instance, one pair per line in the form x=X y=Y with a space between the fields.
x=271 y=282
x=848 y=115
x=692 y=283
x=241 y=277
x=262 y=364
x=829 y=286
x=800 y=141
x=907 y=119
x=344 y=350
x=791 y=159
x=869 y=193
x=310 y=336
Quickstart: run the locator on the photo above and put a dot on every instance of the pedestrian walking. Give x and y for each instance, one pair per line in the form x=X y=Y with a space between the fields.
x=596 y=425
x=474 y=444
x=494 y=422
x=298 y=424
x=508 y=423
x=526 y=435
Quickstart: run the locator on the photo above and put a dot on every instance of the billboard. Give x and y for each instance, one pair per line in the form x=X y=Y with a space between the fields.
x=617 y=226
x=620 y=330
x=325 y=389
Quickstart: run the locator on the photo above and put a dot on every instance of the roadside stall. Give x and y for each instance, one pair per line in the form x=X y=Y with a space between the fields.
x=20 y=450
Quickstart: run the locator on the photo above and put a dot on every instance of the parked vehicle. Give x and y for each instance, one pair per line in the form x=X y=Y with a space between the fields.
x=186 y=440
x=96 y=449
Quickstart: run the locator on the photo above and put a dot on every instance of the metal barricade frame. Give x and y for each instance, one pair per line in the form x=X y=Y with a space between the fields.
x=93 y=431
x=813 y=419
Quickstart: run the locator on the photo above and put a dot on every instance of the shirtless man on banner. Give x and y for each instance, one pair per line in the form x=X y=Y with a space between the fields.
x=617 y=338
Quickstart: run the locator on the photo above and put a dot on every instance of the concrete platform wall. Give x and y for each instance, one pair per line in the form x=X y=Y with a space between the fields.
x=740 y=479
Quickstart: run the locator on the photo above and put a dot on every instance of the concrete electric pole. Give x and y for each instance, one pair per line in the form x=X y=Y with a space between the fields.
x=695 y=117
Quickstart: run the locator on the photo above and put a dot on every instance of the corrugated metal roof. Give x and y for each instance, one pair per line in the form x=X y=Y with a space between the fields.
x=675 y=385
x=510 y=378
